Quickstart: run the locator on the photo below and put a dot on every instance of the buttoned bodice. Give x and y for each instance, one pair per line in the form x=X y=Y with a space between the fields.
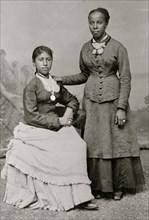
x=107 y=75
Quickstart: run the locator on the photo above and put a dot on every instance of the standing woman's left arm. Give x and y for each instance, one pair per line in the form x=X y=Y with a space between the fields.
x=125 y=78
x=125 y=85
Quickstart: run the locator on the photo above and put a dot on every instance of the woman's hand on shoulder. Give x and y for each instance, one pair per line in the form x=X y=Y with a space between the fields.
x=57 y=78
x=120 y=117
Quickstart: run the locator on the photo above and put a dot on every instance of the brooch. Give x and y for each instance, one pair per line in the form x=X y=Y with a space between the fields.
x=98 y=48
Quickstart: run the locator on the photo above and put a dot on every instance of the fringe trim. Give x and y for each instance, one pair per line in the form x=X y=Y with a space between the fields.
x=55 y=180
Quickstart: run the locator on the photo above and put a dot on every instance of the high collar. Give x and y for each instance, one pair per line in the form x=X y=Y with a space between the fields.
x=105 y=39
x=49 y=76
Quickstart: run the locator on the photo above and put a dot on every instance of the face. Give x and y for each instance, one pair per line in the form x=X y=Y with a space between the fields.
x=97 y=25
x=43 y=63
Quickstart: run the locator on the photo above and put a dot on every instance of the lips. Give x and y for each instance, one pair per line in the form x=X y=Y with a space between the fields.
x=95 y=32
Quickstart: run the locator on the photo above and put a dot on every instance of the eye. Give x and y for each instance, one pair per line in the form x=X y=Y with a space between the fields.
x=40 y=59
x=99 y=22
x=49 y=59
x=91 y=22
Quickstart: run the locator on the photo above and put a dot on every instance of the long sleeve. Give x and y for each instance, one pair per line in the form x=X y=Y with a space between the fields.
x=31 y=113
x=77 y=79
x=68 y=100
x=124 y=77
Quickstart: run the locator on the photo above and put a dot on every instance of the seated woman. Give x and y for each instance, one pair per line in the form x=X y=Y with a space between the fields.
x=46 y=160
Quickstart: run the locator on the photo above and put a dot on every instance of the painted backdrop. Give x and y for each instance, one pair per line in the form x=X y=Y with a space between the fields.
x=63 y=26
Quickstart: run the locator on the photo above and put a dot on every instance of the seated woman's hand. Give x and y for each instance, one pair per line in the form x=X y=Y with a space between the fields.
x=68 y=113
x=65 y=121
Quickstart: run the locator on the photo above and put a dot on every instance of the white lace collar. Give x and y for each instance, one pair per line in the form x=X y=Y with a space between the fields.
x=49 y=84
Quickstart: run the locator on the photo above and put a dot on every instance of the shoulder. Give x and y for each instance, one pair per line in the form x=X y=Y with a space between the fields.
x=86 y=45
x=62 y=88
x=117 y=44
x=32 y=83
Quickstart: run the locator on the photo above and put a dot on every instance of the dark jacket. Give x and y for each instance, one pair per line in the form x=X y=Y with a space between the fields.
x=107 y=76
x=39 y=110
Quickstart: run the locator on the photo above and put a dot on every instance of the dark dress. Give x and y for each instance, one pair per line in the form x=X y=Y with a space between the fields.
x=113 y=152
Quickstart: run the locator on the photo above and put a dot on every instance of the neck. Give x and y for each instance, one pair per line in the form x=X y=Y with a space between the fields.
x=100 y=38
x=44 y=76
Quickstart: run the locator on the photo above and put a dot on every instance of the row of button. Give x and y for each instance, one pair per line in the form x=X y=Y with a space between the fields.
x=100 y=87
x=97 y=62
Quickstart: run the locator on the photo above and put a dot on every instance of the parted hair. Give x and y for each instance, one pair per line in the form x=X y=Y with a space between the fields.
x=103 y=11
x=38 y=50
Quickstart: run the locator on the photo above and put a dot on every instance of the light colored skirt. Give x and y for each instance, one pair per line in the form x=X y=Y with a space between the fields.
x=46 y=169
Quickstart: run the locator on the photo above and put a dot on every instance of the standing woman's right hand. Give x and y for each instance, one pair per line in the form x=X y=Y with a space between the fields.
x=120 y=117
x=57 y=78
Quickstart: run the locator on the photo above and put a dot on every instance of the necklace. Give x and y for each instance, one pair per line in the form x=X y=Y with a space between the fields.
x=99 y=47
x=52 y=97
x=48 y=83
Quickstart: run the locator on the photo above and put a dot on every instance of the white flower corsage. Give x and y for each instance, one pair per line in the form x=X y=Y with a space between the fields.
x=98 y=48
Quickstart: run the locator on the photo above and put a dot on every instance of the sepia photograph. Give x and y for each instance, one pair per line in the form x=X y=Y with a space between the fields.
x=74 y=109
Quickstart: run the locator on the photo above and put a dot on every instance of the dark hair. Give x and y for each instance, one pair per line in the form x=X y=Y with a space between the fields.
x=39 y=50
x=103 y=11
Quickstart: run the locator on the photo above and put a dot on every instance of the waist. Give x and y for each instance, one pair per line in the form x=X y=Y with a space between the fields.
x=102 y=88
x=102 y=73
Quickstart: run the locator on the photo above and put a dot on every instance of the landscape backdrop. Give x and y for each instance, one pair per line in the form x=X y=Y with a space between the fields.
x=63 y=26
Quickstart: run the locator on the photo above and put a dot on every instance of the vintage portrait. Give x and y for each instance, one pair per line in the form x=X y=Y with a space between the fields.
x=74 y=110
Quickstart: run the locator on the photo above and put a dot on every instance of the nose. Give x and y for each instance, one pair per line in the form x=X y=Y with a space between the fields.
x=45 y=62
x=95 y=25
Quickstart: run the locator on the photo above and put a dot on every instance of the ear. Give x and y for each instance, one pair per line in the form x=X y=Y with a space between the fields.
x=106 y=26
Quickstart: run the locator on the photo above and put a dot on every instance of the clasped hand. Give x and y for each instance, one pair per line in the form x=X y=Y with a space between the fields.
x=65 y=121
x=67 y=118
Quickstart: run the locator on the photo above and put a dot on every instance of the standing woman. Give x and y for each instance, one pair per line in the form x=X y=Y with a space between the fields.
x=113 y=152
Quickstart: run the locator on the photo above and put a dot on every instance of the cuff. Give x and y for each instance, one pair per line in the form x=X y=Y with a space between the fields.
x=54 y=124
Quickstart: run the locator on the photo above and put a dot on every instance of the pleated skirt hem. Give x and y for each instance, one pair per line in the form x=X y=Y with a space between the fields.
x=24 y=191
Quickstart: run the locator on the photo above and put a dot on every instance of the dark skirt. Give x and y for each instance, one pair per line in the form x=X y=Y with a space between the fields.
x=104 y=138
x=112 y=175
x=113 y=152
